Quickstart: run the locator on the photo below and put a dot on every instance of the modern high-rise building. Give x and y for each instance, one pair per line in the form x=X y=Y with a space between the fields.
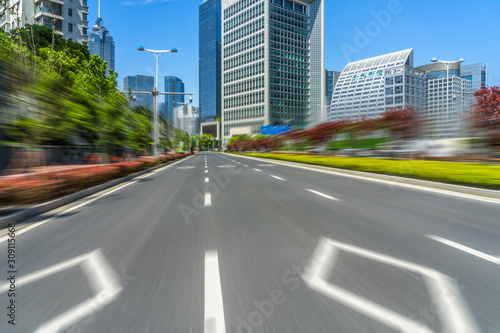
x=331 y=81
x=449 y=98
x=367 y=88
x=272 y=64
x=210 y=26
x=175 y=85
x=101 y=42
x=140 y=83
x=68 y=18
x=475 y=73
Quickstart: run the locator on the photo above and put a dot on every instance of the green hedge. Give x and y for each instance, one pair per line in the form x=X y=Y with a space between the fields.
x=450 y=172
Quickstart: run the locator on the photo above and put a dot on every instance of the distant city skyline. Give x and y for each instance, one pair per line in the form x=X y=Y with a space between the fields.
x=413 y=25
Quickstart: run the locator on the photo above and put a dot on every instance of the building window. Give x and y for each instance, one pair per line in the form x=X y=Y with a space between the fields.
x=398 y=90
x=399 y=79
x=389 y=91
x=388 y=101
x=399 y=100
x=70 y=27
x=70 y=12
x=389 y=81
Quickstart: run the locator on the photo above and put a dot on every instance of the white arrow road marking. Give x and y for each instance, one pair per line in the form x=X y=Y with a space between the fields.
x=102 y=279
x=214 y=307
x=455 y=316
x=466 y=249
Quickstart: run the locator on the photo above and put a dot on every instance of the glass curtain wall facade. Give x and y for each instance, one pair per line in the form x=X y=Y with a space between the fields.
x=140 y=83
x=367 y=88
x=210 y=25
x=102 y=43
x=267 y=64
x=475 y=73
x=172 y=84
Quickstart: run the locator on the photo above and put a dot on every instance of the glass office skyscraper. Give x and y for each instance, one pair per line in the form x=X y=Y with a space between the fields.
x=101 y=42
x=210 y=26
x=172 y=84
x=273 y=64
x=140 y=83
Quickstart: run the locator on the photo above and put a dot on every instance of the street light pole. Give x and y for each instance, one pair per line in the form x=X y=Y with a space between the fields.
x=155 y=93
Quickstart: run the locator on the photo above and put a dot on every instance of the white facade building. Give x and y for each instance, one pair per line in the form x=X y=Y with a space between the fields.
x=369 y=87
x=70 y=16
x=272 y=64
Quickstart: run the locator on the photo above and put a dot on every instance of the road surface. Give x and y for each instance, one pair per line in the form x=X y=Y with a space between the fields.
x=222 y=243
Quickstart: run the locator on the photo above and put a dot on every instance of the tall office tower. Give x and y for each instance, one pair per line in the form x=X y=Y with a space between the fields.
x=449 y=98
x=210 y=59
x=101 y=42
x=475 y=73
x=172 y=84
x=273 y=64
x=331 y=81
x=367 y=88
x=68 y=18
x=140 y=83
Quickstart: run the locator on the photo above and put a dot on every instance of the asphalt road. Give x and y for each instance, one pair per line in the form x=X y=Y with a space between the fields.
x=222 y=243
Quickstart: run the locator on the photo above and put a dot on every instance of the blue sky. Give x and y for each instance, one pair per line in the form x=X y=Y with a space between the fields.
x=446 y=29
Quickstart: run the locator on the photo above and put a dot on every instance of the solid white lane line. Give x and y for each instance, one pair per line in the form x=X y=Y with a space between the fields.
x=208 y=199
x=258 y=170
x=323 y=195
x=91 y=199
x=214 y=306
x=279 y=178
x=466 y=249
x=206 y=180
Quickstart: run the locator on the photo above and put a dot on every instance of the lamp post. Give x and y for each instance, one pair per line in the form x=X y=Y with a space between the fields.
x=447 y=63
x=155 y=93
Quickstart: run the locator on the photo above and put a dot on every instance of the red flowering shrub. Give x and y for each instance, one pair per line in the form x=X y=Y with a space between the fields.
x=47 y=185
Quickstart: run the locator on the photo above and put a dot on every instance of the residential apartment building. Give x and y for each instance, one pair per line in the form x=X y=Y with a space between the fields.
x=174 y=85
x=68 y=18
x=210 y=25
x=272 y=64
x=140 y=83
x=101 y=42
x=367 y=88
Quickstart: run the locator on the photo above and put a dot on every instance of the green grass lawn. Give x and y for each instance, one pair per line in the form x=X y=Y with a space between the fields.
x=449 y=172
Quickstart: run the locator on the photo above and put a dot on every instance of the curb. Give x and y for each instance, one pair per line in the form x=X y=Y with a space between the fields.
x=51 y=205
x=460 y=189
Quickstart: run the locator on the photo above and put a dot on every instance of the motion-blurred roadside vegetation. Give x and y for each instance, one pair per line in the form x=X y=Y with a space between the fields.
x=53 y=93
